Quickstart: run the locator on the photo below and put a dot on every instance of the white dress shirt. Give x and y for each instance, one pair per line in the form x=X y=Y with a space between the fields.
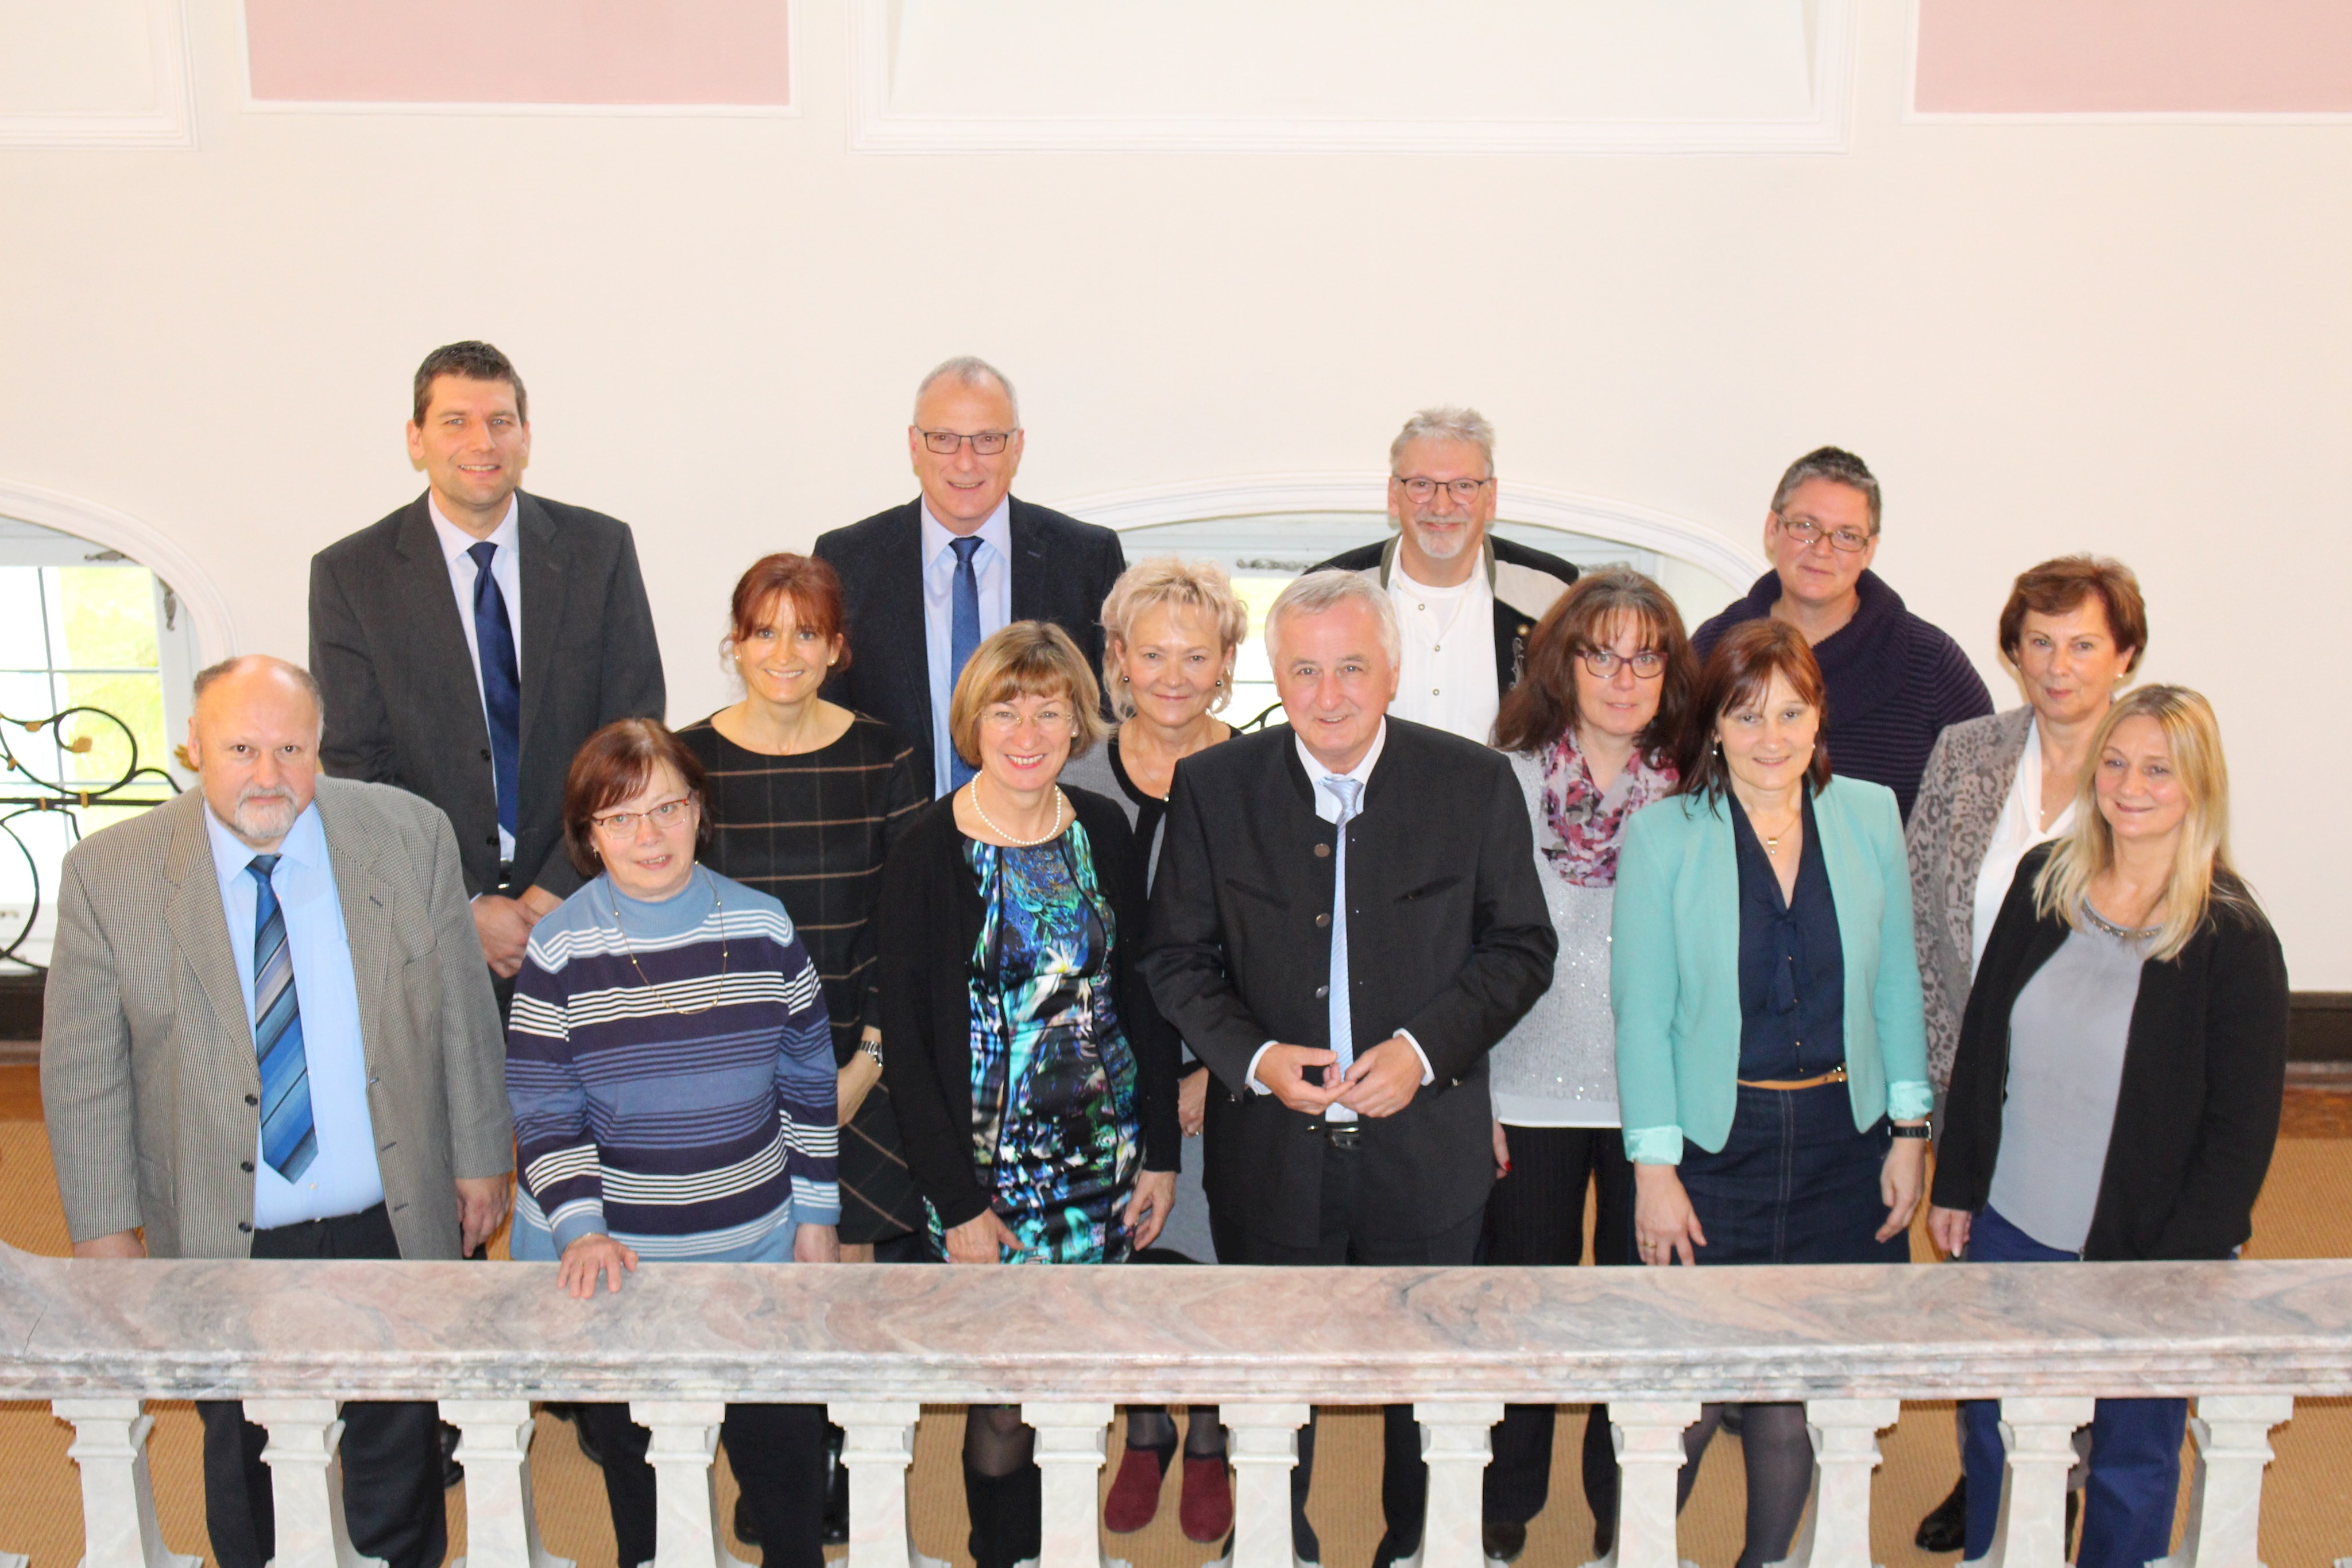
x=2014 y=832
x=1448 y=680
x=506 y=568
x=991 y=563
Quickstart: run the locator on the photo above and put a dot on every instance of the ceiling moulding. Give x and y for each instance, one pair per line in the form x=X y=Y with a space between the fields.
x=905 y=95
x=167 y=121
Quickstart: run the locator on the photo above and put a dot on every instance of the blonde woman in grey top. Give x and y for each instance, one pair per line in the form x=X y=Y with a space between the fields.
x=1590 y=729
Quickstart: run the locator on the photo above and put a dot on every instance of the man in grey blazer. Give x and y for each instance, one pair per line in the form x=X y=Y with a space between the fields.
x=267 y=1033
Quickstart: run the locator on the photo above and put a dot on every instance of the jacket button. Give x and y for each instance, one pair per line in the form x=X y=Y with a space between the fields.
x=1322 y=919
x=492 y=841
x=244 y=1165
x=486 y=754
x=1320 y=993
x=245 y=1226
x=253 y=1099
x=1322 y=851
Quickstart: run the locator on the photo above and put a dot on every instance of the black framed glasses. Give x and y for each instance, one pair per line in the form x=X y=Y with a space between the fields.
x=1463 y=490
x=1648 y=664
x=985 y=442
x=1804 y=530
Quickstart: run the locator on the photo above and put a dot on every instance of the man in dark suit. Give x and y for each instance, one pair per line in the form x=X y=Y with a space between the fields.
x=1349 y=1035
x=925 y=583
x=468 y=642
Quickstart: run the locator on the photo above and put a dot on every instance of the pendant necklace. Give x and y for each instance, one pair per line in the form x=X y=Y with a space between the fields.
x=717 y=908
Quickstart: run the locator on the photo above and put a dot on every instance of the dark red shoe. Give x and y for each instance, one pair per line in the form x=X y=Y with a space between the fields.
x=1206 y=1508
x=1134 y=1498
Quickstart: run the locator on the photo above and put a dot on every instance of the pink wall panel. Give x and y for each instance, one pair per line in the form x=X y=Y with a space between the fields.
x=519 y=51
x=2076 y=57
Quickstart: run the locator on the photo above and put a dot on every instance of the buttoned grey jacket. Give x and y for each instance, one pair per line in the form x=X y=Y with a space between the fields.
x=1968 y=776
x=148 y=1074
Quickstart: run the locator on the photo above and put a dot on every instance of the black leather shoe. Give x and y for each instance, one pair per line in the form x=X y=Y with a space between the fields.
x=1504 y=1543
x=746 y=1529
x=1945 y=1529
x=836 y=1489
x=453 y=1474
x=586 y=1436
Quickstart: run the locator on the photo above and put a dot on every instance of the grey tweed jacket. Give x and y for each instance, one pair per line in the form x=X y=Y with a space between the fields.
x=1968 y=776
x=148 y=1074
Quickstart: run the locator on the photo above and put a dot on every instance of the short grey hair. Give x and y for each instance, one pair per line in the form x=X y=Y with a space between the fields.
x=1836 y=465
x=1446 y=424
x=1327 y=590
x=971 y=371
x=211 y=673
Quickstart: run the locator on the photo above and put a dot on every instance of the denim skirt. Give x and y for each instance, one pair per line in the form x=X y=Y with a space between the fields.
x=1794 y=1183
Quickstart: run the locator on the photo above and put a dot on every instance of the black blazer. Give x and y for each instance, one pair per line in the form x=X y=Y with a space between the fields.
x=1062 y=571
x=403 y=706
x=1448 y=936
x=1527 y=583
x=929 y=916
x=2204 y=1070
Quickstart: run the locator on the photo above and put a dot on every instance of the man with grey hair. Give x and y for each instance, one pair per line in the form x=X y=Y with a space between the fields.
x=924 y=584
x=1466 y=601
x=1346 y=918
x=239 y=1057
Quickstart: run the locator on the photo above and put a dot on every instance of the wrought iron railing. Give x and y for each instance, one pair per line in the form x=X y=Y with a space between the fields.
x=28 y=792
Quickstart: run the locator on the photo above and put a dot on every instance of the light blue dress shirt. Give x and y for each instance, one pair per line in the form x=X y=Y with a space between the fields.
x=344 y=1178
x=993 y=565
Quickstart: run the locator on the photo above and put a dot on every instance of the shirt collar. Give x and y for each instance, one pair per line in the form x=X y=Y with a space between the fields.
x=456 y=541
x=997 y=531
x=305 y=844
x=1362 y=772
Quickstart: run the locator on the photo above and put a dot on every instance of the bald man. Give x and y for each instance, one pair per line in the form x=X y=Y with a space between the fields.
x=240 y=1057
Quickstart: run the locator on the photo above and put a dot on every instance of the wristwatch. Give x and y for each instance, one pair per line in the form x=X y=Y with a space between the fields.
x=1921 y=1130
x=872 y=1047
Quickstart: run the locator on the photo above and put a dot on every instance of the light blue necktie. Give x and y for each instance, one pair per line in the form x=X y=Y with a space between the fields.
x=288 y=1140
x=963 y=633
x=1343 y=1030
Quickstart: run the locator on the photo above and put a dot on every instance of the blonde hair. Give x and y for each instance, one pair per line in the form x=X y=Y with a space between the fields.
x=1029 y=659
x=2201 y=873
x=1200 y=586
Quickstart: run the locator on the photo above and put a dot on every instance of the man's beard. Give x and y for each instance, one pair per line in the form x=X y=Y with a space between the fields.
x=263 y=816
x=1443 y=549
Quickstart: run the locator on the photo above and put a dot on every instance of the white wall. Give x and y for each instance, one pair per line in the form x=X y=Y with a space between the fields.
x=2135 y=338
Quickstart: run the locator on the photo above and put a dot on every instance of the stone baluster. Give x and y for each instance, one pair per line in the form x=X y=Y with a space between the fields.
x=1070 y=1453
x=686 y=1491
x=1648 y=1435
x=878 y=1445
x=2038 y=1435
x=2225 y=1491
x=502 y=1515
x=1456 y=1439
x=306 y=1485
x=118 y=1499
x=1263 y=1440
x=1846 y=1450
x=18 y=1560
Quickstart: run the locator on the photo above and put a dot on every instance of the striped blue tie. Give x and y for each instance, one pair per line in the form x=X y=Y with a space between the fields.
x=288 y=1140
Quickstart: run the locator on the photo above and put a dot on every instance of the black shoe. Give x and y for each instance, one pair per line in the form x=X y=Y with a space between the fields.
x=1947 y=1527
x=453 y=1474
x=836 y=1489
x=1735 y=1417
x=746 y=1528
x=1388 y=1555
x=586 y=1436
x=1504 y=1543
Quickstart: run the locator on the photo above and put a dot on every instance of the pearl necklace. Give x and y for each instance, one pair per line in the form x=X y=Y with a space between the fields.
x=1010 y=842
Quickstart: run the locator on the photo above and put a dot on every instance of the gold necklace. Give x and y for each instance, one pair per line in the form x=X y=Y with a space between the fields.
x=717 y=908
x=1010 y=841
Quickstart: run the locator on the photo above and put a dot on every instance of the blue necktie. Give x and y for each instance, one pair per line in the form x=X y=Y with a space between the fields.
x=1343 y=1027
x=963 y=633
x=501 y=687
x=288 y=1140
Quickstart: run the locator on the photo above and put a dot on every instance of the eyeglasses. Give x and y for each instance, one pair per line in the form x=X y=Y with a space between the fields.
x=1008 y=719
x=1804 y=530
x=1648 y=663
x=667 y=815
x=984 y=444
x=1463 y=490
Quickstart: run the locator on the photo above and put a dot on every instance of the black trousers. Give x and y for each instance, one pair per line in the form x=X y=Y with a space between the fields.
x=1535 y=1217
x=391 y=1452
x=777 y=1452
x=1346 y=1236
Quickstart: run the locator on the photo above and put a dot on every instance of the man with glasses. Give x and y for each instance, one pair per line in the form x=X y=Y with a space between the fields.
x=1464 y=600
x=1894 y=681
x=922 y=584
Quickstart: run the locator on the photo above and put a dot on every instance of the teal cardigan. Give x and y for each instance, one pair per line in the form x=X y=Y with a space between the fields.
x=1673 y=967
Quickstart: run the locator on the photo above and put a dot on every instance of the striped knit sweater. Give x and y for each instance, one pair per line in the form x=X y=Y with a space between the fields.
x=1895 y=683
x=684 y=1133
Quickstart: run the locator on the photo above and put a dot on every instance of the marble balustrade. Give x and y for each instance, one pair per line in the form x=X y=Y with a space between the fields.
x=1069 y=1344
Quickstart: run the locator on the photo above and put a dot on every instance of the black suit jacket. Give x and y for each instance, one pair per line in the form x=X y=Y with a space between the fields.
x=1448 y=936
x=403 y=707
x=1527 y=582
x=2196 y=1114
x=1062 y=571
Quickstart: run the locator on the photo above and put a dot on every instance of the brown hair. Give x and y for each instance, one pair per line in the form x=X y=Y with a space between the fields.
x=475 y=361
x=1542 y=707
x=2057 y=587
x=811 y=584
x=1739 y=672
x=1032 y=659
x=616 y=762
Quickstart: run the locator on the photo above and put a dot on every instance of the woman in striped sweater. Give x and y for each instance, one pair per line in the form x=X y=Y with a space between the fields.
x=670 y=1066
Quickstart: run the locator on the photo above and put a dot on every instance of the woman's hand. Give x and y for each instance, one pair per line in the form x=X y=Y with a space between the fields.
x=1949 y=1229
x=1147 y=1211
x=1665 y=1225
x=1502 y=1153
x=979 y=1239
x=586 y=1258
x=1193 y=1102
x=1899 y=1183
x=816 y=1244
x=861 y=1073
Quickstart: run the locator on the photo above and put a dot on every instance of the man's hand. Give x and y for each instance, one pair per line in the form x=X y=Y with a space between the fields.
x=481 y=1208
x=504 y=925
x=122 y=1244
x=1502 y=1151
x=977 y=1239
x=1149 y=1207
x=1384 y=1079
x=816 y=1244
x=1280 y=1068
x=1193 y=1102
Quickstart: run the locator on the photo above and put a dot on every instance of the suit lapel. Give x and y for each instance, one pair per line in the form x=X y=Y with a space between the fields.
x=199 y=924
x=544 y=562
x=429 y=611
x=1029 y=581
x=898 y=604
x=366 y=900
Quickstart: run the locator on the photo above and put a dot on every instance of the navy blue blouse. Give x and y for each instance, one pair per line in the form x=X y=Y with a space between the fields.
x=1791 y=961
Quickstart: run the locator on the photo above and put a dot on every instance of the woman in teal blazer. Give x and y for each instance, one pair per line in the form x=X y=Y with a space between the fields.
x=1771 y=1056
